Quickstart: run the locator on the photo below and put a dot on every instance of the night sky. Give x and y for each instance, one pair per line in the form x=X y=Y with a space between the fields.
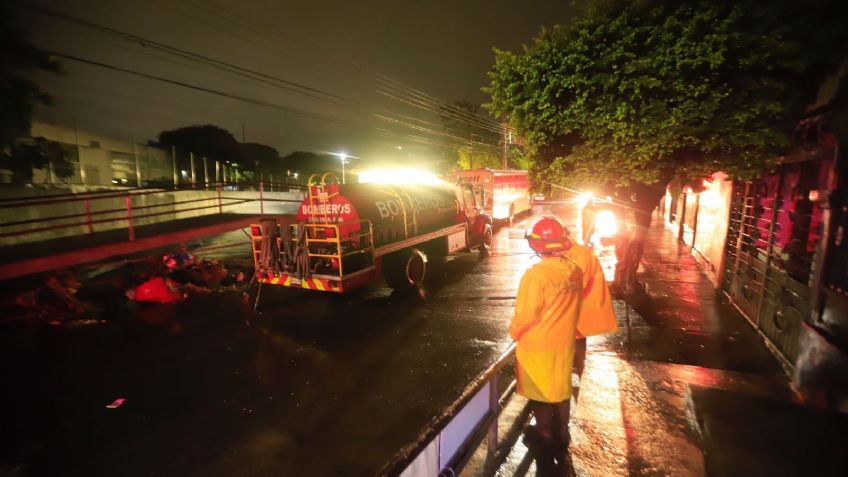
x=328 y=69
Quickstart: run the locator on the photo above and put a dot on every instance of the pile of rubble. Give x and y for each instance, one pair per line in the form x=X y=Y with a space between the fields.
x=168 y=278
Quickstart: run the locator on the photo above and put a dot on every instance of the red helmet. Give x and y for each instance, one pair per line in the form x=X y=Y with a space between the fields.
x=548 y=235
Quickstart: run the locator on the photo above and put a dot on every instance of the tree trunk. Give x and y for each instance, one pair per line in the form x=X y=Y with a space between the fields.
x=631 y=245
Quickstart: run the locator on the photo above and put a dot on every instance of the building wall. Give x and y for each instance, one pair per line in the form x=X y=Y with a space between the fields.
x=705 y=222
x=103 y=160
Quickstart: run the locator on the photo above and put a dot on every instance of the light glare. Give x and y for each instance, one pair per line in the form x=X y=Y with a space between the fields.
x=399 y=176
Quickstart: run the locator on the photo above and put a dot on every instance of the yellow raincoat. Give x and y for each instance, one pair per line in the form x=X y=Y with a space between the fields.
x=557 y=298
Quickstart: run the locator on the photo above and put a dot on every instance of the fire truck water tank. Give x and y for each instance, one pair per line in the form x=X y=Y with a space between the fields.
x=396 y=211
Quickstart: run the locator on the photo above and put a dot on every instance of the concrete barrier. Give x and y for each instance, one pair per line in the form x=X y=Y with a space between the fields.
x=111 y=213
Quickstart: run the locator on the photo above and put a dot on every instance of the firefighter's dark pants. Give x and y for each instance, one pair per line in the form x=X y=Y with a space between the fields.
x=552 y=419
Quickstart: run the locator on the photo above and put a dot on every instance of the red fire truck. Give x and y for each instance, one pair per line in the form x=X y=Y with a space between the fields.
x=350 y=235
x=504 y=193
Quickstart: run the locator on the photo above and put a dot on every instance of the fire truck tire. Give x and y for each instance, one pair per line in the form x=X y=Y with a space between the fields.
x=486 y=239
x=405 y=270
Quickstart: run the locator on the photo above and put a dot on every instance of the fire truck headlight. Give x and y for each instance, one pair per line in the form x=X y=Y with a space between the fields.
x=584 y=198
x=606 y=224
x=500 y=211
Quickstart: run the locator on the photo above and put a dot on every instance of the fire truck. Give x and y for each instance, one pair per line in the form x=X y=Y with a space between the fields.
x=505 y=193
x=347 y=236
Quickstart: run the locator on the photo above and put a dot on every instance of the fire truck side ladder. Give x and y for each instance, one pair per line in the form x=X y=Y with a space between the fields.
x=321 y=195
x=337 y=241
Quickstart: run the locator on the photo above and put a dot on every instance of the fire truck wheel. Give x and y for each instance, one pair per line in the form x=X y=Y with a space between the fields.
x=486 y=239
x=405 y=270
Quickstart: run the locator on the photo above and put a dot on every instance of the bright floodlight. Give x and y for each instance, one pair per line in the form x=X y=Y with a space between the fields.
x=342 y=157
x=584 y=199
x=399 y=176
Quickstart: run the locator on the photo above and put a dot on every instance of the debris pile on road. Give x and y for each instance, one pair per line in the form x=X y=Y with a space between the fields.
x=53 y=301
x=180 y=275
x=161 y=278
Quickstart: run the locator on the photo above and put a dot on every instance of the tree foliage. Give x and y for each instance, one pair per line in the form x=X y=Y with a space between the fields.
x=475 y=144
x=38 y=153
x=213 y=142
x=306 y=163
x=643 y=92
x=471 y=158
x=260 y=157
x=18 y=93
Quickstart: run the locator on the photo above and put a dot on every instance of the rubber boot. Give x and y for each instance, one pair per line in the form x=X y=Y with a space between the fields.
x=563 y=415
x=543 y=432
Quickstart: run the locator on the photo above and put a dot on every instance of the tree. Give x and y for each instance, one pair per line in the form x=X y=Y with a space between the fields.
x=260 y=157
x=475 y=143
x=306 y=163
x=37 y=153
x=637 y=94
x=208 y=141
x=18 y=94
x=476 y=158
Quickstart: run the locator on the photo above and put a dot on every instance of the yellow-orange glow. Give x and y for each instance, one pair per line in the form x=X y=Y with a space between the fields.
x=606 y=224
x=500 y=211
x=399 y=176
x=584 y=199
x=507 y=198
x=711 y=196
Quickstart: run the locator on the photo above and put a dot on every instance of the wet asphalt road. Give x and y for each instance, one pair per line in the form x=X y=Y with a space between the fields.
x=315 y=385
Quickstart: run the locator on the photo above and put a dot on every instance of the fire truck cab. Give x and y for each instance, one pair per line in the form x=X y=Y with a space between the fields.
x=504 y=193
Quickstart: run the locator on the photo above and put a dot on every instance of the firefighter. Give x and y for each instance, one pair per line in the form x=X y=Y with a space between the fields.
x=587 y=221
x=561 y=298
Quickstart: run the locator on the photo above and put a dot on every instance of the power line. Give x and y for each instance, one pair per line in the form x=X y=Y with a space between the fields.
x=430 y=131
x=147 y=43
x=199 y=88
x=249 y=74
x=442 y=114
x=228 y=67
x=386 y=82
x=232 y=96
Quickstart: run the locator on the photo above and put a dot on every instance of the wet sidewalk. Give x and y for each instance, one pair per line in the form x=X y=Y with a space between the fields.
x=686 y=387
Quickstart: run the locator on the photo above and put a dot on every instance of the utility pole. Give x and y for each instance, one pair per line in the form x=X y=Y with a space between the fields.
x=471 y=154
x=137 y=168
x=205 y=173
x=174 y=164
x=193 y=176
x=505 y=149
x=79 y=153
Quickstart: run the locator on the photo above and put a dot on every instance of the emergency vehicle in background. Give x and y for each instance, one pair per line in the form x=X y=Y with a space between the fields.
x=347 y=236
x=504 y=193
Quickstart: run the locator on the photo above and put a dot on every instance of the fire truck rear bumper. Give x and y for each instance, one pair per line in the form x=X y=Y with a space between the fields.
x=325 y=283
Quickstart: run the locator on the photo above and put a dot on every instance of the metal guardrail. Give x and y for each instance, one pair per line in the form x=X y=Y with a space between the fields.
x=129 y=213
x=446 y=444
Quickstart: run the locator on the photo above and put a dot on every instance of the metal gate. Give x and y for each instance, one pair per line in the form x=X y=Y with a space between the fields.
x=772 y=245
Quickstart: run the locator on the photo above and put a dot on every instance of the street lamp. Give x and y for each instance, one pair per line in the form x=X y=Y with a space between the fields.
x=343 y=156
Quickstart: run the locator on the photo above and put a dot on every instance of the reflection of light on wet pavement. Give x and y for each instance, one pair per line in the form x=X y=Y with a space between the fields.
x=623 y=423
x=509 y=241
x=599 y=440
